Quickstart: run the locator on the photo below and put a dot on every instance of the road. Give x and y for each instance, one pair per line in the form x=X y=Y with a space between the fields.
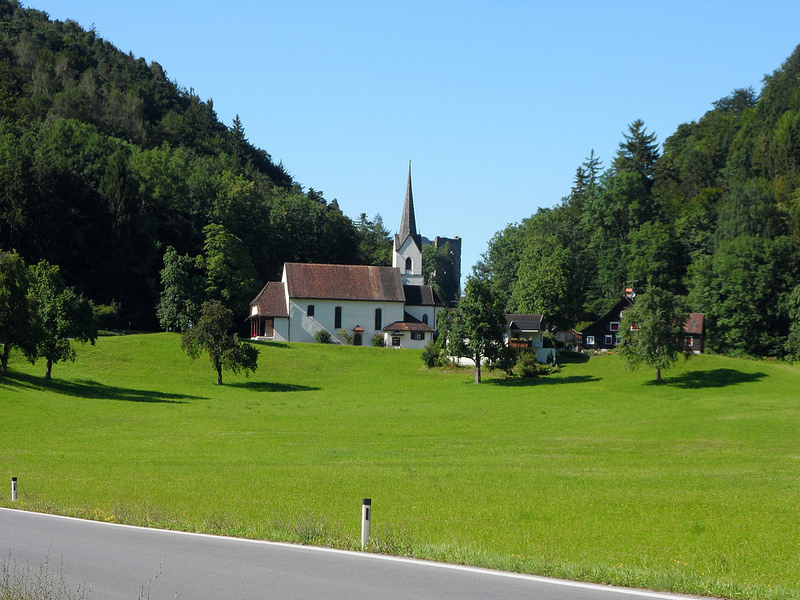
x=118 y=562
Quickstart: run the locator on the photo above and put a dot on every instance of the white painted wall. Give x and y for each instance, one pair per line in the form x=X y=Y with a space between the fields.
x=303 y=328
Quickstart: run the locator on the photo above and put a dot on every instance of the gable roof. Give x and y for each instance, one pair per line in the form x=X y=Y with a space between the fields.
x=523 y=322
x=271 y=300
x=343 y=282
x=421 y=295
x=694 y=324
x=409 y=323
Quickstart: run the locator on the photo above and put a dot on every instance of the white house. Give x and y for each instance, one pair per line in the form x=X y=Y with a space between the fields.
x=524 y=331
x=356 y=301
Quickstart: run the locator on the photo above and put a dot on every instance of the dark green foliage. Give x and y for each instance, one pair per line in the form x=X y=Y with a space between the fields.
x=714 y=216
x=212 y=334
x=16 y=315
x=435 y=354
x=651 y=330
x=439 y=271
x=475 y=328
x=60 y=315
x=323 y=336
x=105 y=162
x=527 y=367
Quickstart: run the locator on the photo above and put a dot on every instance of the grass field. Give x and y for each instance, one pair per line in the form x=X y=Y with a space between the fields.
x=593 y=473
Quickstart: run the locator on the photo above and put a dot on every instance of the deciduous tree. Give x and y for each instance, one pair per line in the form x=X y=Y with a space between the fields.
x=60 y=316
x=212 y=334
x=475 y=328
x=16 y=326
x=652 y=330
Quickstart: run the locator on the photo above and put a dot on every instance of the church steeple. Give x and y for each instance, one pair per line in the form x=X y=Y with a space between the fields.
x=408 y=223
x=407 y=242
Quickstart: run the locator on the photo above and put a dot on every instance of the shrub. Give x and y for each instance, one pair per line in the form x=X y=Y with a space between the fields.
x=378 y=341
x=527 y=367
x=323 y=336
x=434 y=355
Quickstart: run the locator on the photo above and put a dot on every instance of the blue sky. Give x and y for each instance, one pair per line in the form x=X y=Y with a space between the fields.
x=495 y=103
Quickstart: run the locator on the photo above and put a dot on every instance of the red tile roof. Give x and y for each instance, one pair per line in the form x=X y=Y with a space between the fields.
x=409 y=323
x=694 y=324
x=271 y=300
x=344 y=282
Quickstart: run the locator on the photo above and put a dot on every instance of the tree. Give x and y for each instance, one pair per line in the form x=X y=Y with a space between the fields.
x=374 y=241
x=230 y=274
x=439 y=272
x=638 y=152
x=181 y=293
x=60 y=315
x=793 y=341
x=475 y=328
x=212 y=334
x=651 y=330
x=16 y=326
x=546 y=282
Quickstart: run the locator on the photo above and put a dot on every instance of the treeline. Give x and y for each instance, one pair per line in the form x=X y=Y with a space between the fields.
x=106 y=164
x=713 y=215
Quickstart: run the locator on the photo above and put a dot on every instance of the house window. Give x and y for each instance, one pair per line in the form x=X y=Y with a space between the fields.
x=613 y=326
x=310 y=310
x=688 y=341
x=425 y=318
x=378 y=319
x=617 y=339
x=408 y=265
x=635 y=327
x=417 y=335
x=396 y=341
x=590 y=340
x=337 y=317
x=609 y=341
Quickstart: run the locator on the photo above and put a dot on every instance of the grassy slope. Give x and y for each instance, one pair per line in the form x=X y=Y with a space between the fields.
x=593 y=473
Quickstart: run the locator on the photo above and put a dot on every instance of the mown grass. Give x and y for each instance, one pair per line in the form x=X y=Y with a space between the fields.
x=592 y=474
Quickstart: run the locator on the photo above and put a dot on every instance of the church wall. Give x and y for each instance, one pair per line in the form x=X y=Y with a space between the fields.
x=354 y=313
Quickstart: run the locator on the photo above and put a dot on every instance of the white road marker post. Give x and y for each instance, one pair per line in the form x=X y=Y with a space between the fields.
x=13 y=489
x=366 y=509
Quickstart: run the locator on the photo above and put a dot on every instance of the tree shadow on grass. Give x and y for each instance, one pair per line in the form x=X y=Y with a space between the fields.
x=544 y=380
x=87 y=388
x=267 y=386
x=715 y=378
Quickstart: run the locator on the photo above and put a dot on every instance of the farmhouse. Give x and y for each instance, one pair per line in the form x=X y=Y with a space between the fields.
x=605 y=333
x=353 y=302
x=526 y=332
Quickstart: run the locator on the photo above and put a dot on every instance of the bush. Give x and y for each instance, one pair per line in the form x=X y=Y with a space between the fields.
x=528 y=367
x=107 y=316
x=434 y=355
x=378 y=341
x=323 y=336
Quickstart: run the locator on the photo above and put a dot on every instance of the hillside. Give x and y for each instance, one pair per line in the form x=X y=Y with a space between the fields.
x=106 y=163
x=591 y=474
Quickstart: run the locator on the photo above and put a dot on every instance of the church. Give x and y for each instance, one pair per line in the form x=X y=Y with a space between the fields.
x=353 y=303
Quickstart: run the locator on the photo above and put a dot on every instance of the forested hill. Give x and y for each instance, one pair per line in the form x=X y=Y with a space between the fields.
x=713 y=214
x=105 y=163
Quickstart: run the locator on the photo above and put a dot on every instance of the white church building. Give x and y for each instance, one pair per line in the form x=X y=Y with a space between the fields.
x=353 y=301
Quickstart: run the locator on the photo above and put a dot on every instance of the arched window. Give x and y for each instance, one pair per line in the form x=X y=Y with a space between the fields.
x=425 y=318
x=408 y=264
x=378 y=319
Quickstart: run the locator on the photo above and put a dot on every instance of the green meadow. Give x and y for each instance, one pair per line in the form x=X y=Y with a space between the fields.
x=593 y=473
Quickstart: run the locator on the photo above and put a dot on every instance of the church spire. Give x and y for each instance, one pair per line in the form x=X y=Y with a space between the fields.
x=408 y=224
x=407 y=254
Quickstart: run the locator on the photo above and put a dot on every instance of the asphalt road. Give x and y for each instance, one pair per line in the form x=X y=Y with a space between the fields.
x=118 y=562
